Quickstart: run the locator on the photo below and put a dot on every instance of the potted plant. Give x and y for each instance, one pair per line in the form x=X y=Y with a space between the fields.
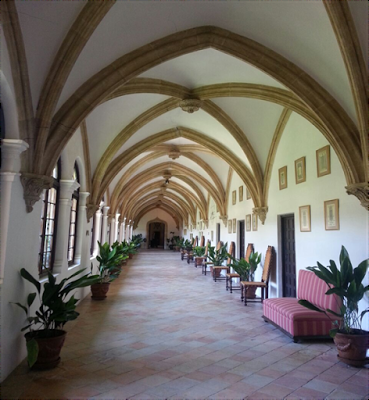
x=121 y=249
x=217 y=257
x=199 y=254
x=178 y=243
x=45 y=337
x=347 y=283
x=246 y=270
x=137 y=239
x=109 y=259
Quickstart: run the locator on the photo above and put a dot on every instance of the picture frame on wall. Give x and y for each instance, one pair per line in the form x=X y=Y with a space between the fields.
x=234 y=198
x=185 y=231
x=191 y=236
x=229 y=226
x=212 y=236
x=323 y=161
x=240 y=193
x=234 y=223
x=300 y=170
x=248 y=195
x=282 y=174
x=254 y=222
x=331 y=215
x=305 y=219
x=248 y=222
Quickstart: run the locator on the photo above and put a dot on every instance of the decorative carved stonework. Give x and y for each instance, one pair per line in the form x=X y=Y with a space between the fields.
x=361 y=191
x=110 y=217
x=224 y=218
x=33 y=185
x=174 y=153
x=91 y=209
x=261 y=212
x=190 y=105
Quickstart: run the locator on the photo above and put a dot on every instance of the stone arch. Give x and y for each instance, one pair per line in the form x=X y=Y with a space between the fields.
x=92 y=92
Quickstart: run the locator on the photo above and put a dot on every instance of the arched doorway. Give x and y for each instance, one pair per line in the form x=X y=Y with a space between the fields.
x=156 y=234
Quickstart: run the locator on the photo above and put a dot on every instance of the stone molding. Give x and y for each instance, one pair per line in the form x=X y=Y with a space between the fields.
x=91 y=210
x=33 y=186
x=224 y=219
x=261 y=212
x=361 y=191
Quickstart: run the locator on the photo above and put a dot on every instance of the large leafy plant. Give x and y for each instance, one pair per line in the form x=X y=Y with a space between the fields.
x=199 y=251
x=246 y=269
x=347 y=284
x=109 y=260
x=217 y=257
x=55 y=309
x=187 y=244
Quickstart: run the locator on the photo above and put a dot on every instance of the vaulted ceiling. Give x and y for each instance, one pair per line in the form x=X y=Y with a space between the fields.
x=182 y=92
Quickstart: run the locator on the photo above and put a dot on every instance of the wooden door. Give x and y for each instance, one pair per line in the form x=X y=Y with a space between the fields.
x=288 y=256
x=241 y=244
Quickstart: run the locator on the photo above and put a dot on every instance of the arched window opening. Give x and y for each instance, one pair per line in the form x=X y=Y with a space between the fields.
x=48 y=223
x=73 y=219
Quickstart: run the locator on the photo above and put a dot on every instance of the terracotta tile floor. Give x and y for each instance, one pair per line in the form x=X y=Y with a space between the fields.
x=167 y=332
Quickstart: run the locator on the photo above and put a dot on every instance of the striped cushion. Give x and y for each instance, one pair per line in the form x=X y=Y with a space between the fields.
x=296 y=319
x=313 y=289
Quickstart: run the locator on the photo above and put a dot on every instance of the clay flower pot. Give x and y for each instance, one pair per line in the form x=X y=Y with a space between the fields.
x=48 y=347
x=352 y=347
x=99 y=290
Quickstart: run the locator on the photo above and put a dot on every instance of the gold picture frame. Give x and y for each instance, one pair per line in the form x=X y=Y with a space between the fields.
x=234 y=195
x=323 y=161
x=229 y=226
x=300 y=170
x=254 y=222
x=240 y=193
x=212 y=236
x=191 y=236
x=282 y=174
x=234 y=224
x=305 y=219
x=331 y=215
x=248 y=222
x=248 y=195
x=185 y=231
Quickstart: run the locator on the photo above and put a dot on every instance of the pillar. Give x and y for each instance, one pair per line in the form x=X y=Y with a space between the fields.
x=116 y=227
x=104 y=224
x=112 y=229
x=67 y=187
x=81 y=225
x=11 y=150
x=97 y=232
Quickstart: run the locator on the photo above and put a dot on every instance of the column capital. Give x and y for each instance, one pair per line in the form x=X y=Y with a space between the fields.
x=67 y=187
x=224 y=219
x=33 y=186
x=361 y=191
x=10 y=152
x=261 y=212
x=105 y=210
x=83 y=197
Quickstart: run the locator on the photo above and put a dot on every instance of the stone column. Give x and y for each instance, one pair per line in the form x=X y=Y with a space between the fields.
x=10 y=166
x=67 y=187
x=104 y=224
x=112 y=229
x=97 y=232
x=121 y=230
x=127 y=231
x=81 y=225
x=116 y=227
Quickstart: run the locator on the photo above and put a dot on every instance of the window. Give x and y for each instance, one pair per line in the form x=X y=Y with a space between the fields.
x=48 y=224
x=73 y=219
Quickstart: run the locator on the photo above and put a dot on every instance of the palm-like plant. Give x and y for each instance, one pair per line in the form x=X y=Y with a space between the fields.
x=109 y=259
x=347 y=284
x=246 y=269
x=199 y=251
x=217 y=257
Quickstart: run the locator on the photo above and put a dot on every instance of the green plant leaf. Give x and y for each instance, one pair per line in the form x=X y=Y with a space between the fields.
x=30 y=299
x=360 y=271
x=309 y=305
x=32 y=352
x=22 y=307
x=334 y=313
x=332 y=332
x=28 y=277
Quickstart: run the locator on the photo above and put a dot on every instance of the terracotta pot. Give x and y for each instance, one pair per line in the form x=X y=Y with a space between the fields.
x=130 y=255
x=48 y=347
x=250 y=293
x=352 y=347
x=216 y=273
x=99 y=290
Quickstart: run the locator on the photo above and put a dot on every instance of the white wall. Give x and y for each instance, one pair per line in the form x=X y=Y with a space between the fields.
x=152 y=215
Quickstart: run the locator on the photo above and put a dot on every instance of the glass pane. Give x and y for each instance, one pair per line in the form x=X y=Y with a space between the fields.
x=70 y=255
x=48 y=244
x=49 y=227
x=74 y=204
x=51 y=211
x=47 y=260
x=72 y=229
x=52 y=195
x=71 y=241
x=55 y=172
x=73 y=217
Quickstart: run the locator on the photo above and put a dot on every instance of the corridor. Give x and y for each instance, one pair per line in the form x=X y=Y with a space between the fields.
x=165 y=331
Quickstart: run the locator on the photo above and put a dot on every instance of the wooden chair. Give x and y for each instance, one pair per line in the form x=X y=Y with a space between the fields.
x=263 y=284
x=232 y=275
x=186 y=254
x=206 y=263
x=202 y=241
x=190 y=253
x=217 y=270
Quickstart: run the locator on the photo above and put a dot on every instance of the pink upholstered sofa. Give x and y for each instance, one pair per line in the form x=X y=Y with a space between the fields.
x=297 y=321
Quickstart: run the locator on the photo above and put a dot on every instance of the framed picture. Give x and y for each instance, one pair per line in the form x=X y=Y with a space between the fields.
x=240 y=193
x=248 y=195
x=234 y=197
x=254 y=222
x=331 y=215
x=191 y=236
x=323 y=161
x=305 y=219
x=234 y=225
x=229 y=226
x=300 y=171
x=185 y=231
x=282 y=173
x=248 y=222
x=212 y=236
